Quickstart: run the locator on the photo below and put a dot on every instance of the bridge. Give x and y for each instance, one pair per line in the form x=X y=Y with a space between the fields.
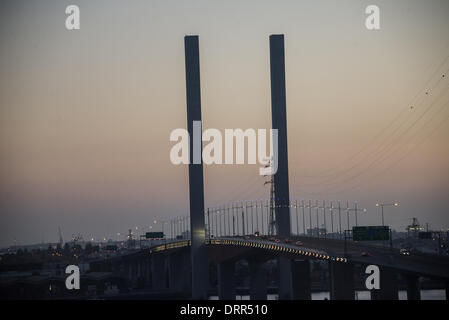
x=167 y=266
x=183 y=265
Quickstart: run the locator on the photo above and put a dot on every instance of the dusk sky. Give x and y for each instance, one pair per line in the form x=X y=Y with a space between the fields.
x=86 y=115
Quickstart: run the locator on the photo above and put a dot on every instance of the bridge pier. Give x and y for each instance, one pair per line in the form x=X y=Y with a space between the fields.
x=225 y=274
x=158 y=274
x=341 y=280
x=258 y=280
x=196 y=182
x=285 y=278
x=413 y=287
x=179 y=266
x=447 y=290
x=388 y=286
x=133 y=271
x=279 y=122
x=301 y=280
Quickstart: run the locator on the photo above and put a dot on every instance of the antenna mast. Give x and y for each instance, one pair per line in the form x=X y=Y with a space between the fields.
x=272 y=220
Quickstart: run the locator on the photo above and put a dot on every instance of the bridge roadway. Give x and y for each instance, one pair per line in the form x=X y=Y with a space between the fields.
x=420 y=264
x=167 y=266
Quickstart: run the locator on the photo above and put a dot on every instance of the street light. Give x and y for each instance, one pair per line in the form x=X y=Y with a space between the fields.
x=382 y=205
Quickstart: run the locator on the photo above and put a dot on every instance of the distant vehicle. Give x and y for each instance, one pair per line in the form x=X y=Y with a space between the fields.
x=404 y=252
x=272 y=239
x=365 y=254
x=256 y=234
x=288 y=240
x=277 y=240
x=111 y=247
x=298 y=243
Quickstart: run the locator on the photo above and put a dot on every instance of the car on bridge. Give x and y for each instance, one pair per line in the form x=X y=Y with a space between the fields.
x=404 y=252
x=288 y=240
x=272 y=239
x=298 y=243
x=365 y=254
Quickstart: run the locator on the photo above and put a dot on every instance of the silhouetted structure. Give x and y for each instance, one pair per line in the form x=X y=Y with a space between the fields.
x=279 y=122
x=196 y=183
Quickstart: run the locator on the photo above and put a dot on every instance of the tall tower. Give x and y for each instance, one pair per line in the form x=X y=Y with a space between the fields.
x=279 y=122
x=196 y=182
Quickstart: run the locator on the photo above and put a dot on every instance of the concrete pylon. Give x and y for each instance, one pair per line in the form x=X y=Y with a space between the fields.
x=413 y=287
x=388 y=286
x=158 y=272
x=279 y=122
x=258 y=280
x=225 y=274
x=341 y=280
x=301 y=280
x=180 y=272
x=196 y=182
x=446 y=284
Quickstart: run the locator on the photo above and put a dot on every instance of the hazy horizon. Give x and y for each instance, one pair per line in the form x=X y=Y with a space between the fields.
x=86 y=114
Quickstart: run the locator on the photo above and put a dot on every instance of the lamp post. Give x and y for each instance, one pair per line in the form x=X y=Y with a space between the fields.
x=382 y=205
x=356 y=209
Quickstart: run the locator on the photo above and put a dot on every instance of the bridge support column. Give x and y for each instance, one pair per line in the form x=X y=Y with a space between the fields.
x=447 y=290
x=225 y=273
x=196 y=183
x=388 y=286
x=158 y=275
x=341 y=280
x=180 y=272
x=301 y=280
x=134 y=270
x=279 y=123
x=446 y=285
x=258 y=280
x=413 y=288
x=147 y=269
x=285 y=278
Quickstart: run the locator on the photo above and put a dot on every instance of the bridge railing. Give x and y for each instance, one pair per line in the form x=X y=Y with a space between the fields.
x=318 y=219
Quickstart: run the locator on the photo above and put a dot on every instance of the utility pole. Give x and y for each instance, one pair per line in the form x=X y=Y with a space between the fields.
x=339 y=216
x=229 y=221
x=347 y=212
x=208 y=223
x=247 y=217
x=324 y=218
x=297 y=219
x=331 y=208
x=234 y=208
x=310 y=218
x=243 y=223
x=382 y=205
x=356 y=209
x=257 y=219
x=261 y=216
x=303 y=217
x=217 y=221
x=317 y=219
